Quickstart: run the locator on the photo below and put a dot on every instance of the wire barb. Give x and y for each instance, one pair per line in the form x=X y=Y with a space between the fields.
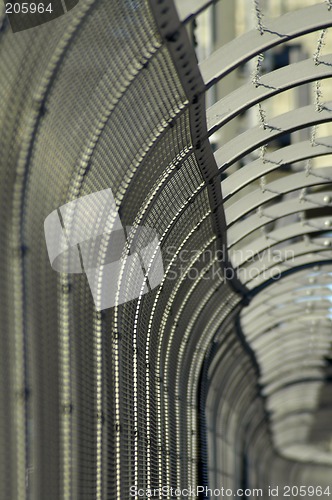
x=308 y=168
x=262 y=116
x=259 y=17
x=313 y=136
x=320 y=44
x=262 y=183
x=303 y=195
x=262 y=153
x=318 y=96
x=257 y=73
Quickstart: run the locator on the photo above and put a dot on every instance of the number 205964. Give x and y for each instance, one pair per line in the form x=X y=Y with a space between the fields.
x=27 y=8
x=310 y=491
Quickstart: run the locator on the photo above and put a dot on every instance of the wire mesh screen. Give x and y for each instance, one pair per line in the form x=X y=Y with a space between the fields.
x=101 y=402
x=124 y=268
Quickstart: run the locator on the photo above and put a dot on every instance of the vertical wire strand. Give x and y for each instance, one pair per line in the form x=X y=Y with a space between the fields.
x=259 y=17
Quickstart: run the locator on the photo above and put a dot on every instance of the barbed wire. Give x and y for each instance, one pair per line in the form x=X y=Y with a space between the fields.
x=262 y=116
x=257 y=73
x=259 y=17
x=262 y=152
x=308 y=167
x=313 y=136
x=319 y=46
x=318 y=96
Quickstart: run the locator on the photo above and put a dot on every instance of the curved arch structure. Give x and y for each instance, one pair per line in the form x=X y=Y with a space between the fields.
x=219 y=376
x=275 y=32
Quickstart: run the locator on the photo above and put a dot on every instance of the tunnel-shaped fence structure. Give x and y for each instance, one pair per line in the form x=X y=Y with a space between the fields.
x=220 y=375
